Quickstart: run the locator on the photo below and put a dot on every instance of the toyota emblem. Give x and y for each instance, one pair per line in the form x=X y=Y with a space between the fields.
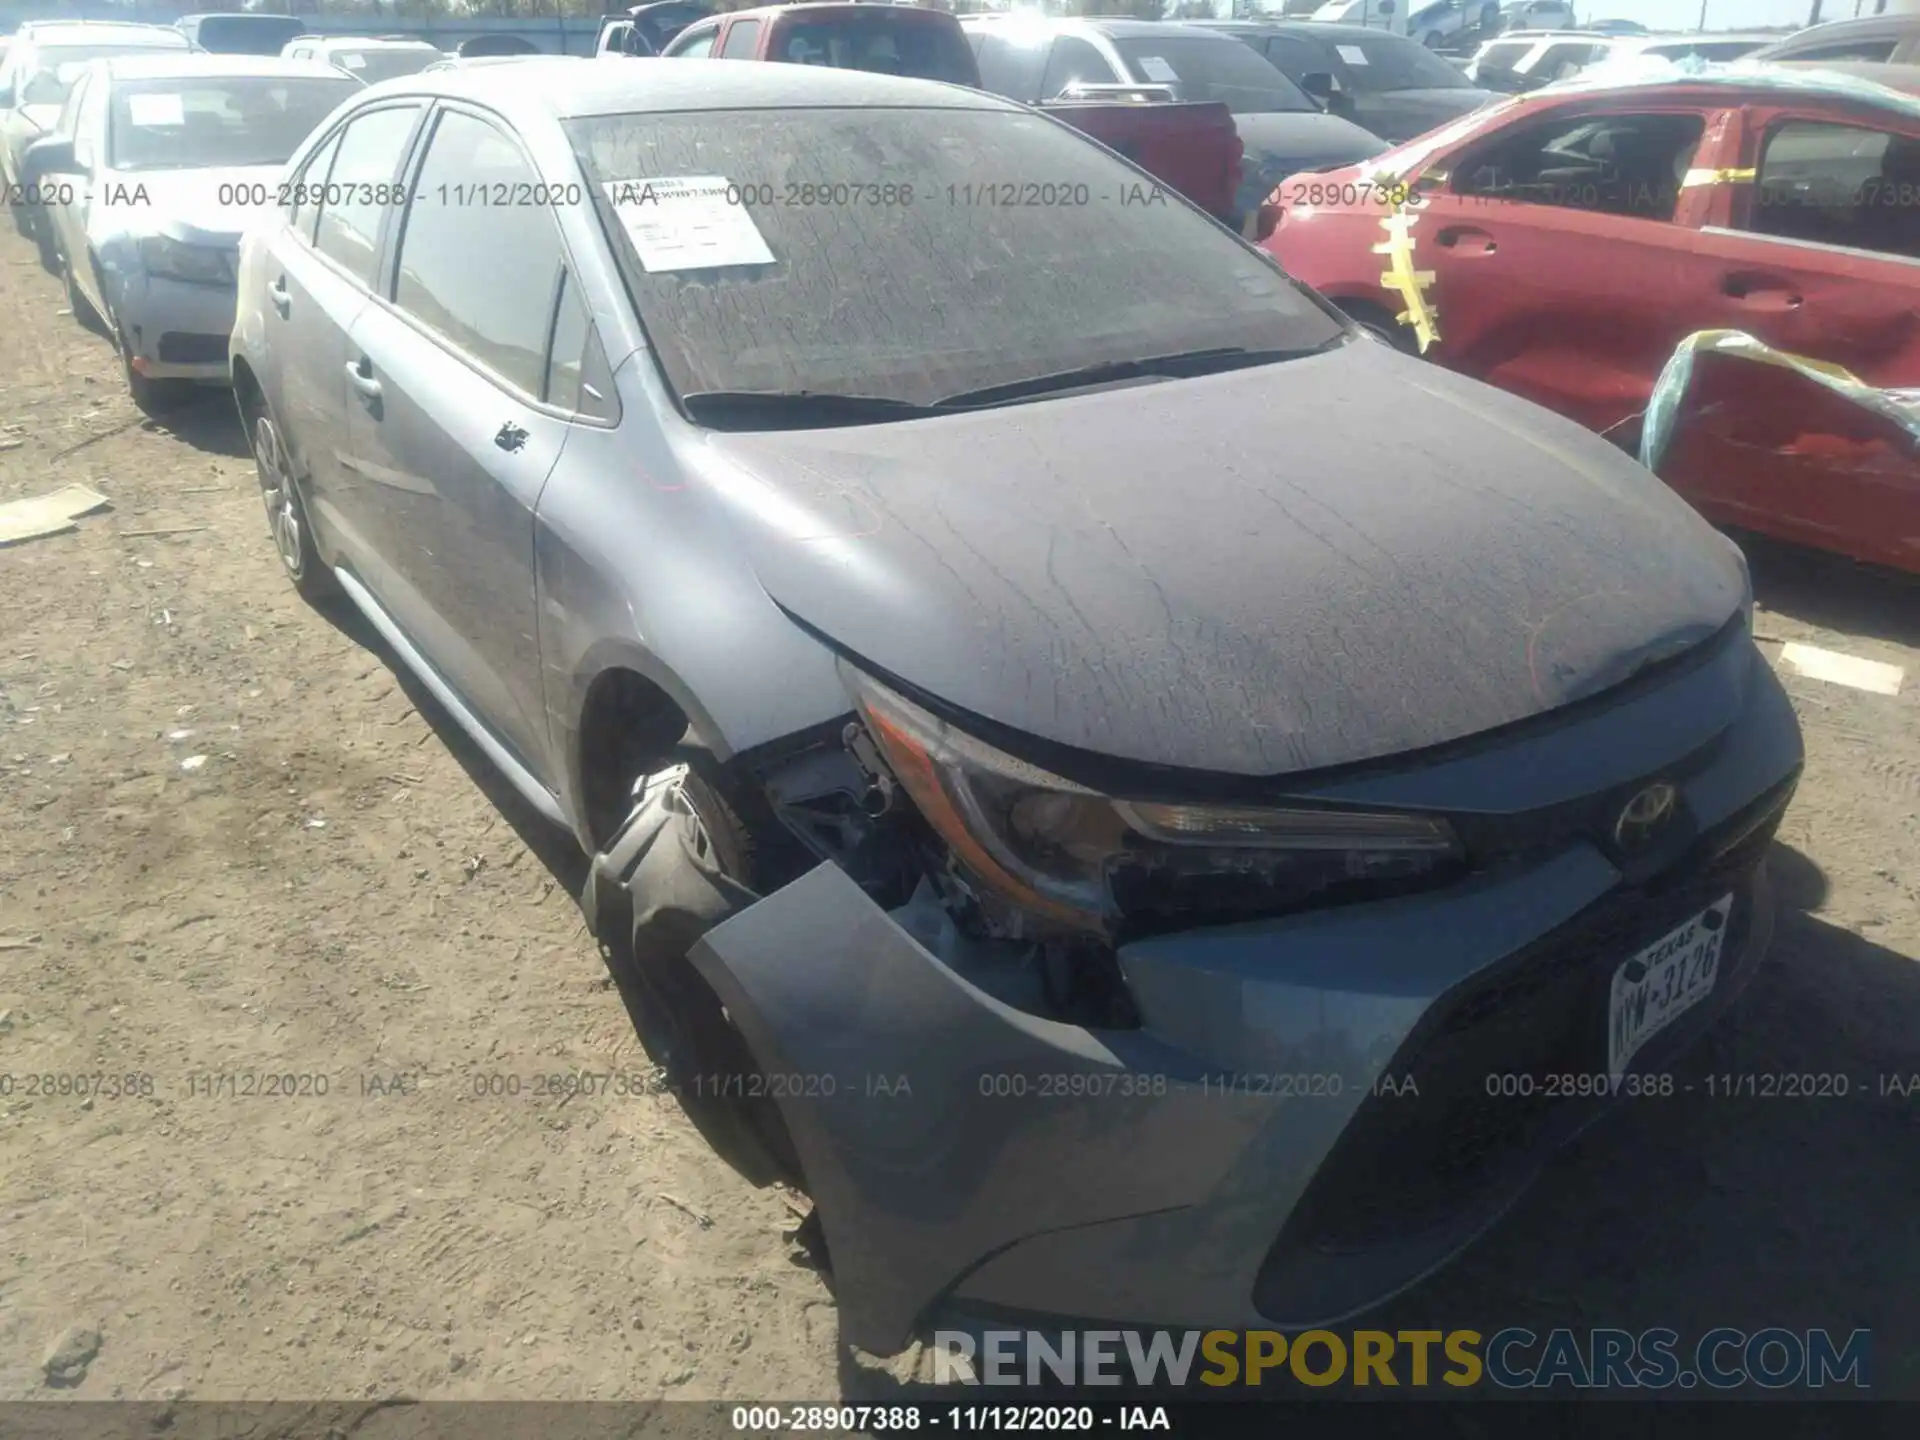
x=1645 y=816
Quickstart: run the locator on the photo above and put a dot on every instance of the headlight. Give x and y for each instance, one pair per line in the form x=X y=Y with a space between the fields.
x=1087 y=861
x=172 y=260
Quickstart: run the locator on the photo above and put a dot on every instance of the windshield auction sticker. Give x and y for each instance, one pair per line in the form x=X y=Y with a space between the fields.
x=687 y=222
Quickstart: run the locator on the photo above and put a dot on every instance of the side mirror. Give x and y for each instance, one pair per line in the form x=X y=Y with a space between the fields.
x=1319 y=84
x=1266 y=220
x=52 y=156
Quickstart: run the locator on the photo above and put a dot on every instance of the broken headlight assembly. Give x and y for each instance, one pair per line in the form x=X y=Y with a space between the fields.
x=1085 y=861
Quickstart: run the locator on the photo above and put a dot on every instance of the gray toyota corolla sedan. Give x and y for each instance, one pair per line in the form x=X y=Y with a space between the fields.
x=1146 y=802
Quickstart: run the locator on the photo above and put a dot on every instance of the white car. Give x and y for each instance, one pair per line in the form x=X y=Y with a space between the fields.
x=1528 y=59
x=165 y=164
x=367 y=60
x=33 y=88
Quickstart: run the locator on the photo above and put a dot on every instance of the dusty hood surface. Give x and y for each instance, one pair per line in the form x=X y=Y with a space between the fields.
x=1261 y=572
x=186 y=205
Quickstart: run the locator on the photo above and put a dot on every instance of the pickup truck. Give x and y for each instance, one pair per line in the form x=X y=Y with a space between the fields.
x=1192 y=148
x=646 y=29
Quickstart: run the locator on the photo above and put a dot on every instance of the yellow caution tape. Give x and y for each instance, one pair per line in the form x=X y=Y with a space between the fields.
x=1410 y=284
x=1717 y=177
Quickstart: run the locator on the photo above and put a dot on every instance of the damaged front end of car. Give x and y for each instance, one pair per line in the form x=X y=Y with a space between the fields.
x=1037 y=1049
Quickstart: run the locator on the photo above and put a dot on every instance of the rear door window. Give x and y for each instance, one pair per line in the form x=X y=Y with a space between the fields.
x=362 y=187
x=743 y=41
x=1009 y=68
x=1075 y=62
x=1832 y=184
x=883 y=41
x=307 y=187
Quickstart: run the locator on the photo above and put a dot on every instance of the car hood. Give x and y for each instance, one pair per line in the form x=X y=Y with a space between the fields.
x=192 y=206
x=1262 y=572
x=1280 y=143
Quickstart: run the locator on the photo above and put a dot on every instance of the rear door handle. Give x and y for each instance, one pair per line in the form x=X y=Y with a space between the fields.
x=1467 y=240
x=360 y=372
x=277 y=292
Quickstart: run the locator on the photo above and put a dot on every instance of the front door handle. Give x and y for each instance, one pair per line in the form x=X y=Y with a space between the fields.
x=1467 y=240
x=511 y=437
x=277 y=293
x=1760 y=292
x=360 y=372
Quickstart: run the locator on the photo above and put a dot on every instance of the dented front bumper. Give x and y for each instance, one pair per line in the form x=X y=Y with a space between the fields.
x=1302 y=1123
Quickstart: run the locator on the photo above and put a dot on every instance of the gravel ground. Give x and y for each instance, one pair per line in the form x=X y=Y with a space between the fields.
x=340 y=894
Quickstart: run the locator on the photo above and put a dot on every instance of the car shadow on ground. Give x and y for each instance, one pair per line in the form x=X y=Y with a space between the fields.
x=553 y=847
x=1833 y=592
x=1781 y=1200
x=208 y=421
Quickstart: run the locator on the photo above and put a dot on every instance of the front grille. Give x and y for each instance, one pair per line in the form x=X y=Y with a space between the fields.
x=179 y=347
x=1409 y=1162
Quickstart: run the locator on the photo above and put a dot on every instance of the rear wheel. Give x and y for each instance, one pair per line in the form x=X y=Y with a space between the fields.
x=682 y=863
x=286 y=512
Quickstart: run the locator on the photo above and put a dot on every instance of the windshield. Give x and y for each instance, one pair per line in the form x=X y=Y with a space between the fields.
x=193 y=124
x=370 y=67
x=1385 y=63
x=885 y=44
x=1223 y=70
x=59 y=66
x=915 y=254
x=246 y=34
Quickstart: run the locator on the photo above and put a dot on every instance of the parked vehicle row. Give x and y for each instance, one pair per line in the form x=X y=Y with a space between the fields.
x=1575 y=238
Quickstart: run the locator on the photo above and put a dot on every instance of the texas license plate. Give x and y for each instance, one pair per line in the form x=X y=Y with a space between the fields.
x=1664 y=981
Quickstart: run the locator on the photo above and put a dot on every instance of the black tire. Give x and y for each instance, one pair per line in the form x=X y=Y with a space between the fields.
x=19 y=216
x=287 y=521
x=40 y=228
x=82 y=307
x=150 y=396
x=683 y=862
x=1371 y=317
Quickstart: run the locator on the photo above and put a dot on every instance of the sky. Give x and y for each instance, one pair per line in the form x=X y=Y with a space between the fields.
x=1724 y=14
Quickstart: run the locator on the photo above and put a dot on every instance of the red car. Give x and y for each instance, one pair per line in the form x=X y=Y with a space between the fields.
x=1572 y=239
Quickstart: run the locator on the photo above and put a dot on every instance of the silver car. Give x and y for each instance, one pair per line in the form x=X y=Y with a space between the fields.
x=167 y=161
x=1101 y=771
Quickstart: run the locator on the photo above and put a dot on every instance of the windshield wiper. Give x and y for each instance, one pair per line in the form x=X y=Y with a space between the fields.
x=1180 y=365
x=797 y=409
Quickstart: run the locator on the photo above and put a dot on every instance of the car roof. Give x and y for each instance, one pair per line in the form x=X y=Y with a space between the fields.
x=94 y=32
x=760 y=12
x=561 y=87
x=364 y=42
x=1114 y=28
x=1867 y=27
x=1313 y=29
x=197 y=64
x=1895 y=77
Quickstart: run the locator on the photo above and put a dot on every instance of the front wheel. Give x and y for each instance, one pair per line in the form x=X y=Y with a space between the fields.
x=682 y=862
x=40 y=228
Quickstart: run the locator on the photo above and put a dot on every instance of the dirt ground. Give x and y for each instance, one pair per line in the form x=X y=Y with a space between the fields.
x=340 y=893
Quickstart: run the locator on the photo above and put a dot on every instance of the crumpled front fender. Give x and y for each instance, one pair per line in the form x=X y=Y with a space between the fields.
x=932 y=1119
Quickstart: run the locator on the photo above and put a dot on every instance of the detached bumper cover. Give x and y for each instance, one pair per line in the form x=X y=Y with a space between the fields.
x=179 y=329
x=1238 y=1161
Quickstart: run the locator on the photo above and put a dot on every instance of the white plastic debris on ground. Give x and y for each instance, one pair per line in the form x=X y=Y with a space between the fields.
x=51 y=514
